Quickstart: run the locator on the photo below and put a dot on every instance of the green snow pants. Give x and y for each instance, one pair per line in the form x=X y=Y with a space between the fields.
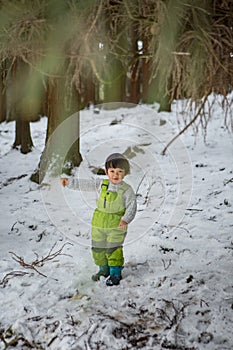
x=107 y=241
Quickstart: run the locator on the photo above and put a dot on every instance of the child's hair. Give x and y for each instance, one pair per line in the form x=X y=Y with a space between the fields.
x=117 y=160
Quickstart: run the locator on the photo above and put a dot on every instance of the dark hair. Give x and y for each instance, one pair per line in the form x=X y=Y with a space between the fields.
x=117 y=160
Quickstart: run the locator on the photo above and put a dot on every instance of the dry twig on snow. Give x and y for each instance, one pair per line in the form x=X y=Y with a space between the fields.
x=33 y=265
x=10 y=275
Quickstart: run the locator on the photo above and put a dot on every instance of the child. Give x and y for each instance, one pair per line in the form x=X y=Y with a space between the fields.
x=116 y=208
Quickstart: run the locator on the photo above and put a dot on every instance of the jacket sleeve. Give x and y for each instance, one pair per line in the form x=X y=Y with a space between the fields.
x=130 y=202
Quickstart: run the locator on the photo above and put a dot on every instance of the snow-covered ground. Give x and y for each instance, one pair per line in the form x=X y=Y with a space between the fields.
x=177 y=286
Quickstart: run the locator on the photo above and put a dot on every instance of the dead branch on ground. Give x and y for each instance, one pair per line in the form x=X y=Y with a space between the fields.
x=166 y=266
x=175 y=316
x=39 y=261
x=10 y=275
x=33 y=265
x=13 y=342
x=228 y=181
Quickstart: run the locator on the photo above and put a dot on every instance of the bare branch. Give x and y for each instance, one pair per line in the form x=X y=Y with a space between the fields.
x=39 y=262
x=188 y=125
x=166 y=266
x=11 y=275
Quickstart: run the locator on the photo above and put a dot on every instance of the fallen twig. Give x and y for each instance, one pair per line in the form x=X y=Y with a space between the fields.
x=193 y=209
x=202 y=301
x=21 y=261
x=10 y=275
x=14 y=342
x=176 y=315
x=12 y=179
x=39 y=262
x=228 y=181
x=168 y=265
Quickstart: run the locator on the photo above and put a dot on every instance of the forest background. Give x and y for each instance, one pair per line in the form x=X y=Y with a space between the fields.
x=58 y=57
x=65 y=63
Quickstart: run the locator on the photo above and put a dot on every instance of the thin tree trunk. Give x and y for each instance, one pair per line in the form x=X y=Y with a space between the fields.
x=89 y=87
x=114 y=89
x=145 y=79
x=135 y=69
x=2 y=93
x=23 y=136
x=26 y=95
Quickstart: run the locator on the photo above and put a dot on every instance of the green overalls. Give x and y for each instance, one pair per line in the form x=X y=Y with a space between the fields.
x=107 y=238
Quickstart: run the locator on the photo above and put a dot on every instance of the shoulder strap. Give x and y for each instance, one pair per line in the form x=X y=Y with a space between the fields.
x=104 y=185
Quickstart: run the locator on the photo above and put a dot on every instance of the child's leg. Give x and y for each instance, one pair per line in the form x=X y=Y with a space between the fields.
x=99 y=253
x=115 y=276
x=99 y=256
x=99 y=246
x=115 y=240
x=115 y=257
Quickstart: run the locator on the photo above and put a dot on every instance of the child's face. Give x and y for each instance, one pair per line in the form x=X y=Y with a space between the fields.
x=115 y=175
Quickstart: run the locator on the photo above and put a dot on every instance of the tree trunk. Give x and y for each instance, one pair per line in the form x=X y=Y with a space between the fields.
x=148 y=82
x=135 y=69
x=152 y=89
x=164 y=102
x=114 y=88
x=26 y=95
x=89 y=88
x=145 y=79
x=2 y=93
x=23 y=136
x=114 y=71
x=62 y=148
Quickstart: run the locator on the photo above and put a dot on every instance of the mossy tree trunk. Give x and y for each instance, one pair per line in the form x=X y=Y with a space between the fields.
x=23 y=138
x=3 y=111
x=60 y=154
x=115 y=79
x=26 y=96
x=114 y=70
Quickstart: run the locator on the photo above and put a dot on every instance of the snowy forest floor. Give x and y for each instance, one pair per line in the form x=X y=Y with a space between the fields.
x=177 y=286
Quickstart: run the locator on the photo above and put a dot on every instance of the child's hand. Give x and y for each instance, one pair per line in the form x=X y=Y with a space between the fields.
x=123 y=225
x=64 y=181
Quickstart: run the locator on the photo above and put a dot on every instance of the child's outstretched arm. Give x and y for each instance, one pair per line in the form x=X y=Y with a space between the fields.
x=73 y=183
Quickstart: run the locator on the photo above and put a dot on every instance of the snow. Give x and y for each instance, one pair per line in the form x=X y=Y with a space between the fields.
x=177 y=286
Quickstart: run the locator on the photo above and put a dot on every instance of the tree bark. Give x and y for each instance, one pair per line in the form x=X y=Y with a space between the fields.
x=114 y=71
x=23 y=136
x=114 y=88
x=59 y=155
x=2 y=93
x=135 y=69
x=26 y=95
x=88 y=87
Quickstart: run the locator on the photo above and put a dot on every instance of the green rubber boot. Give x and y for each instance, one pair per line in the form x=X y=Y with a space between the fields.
x=103 y=271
